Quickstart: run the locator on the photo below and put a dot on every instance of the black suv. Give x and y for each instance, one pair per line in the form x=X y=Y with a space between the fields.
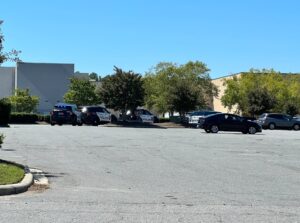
x=95 y=115
x=229 y=122
x=65 y=114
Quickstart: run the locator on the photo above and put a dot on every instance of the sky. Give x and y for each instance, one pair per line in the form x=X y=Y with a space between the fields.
x=229 y=36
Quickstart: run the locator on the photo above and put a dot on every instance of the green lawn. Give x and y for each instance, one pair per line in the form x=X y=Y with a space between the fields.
x=10 y=174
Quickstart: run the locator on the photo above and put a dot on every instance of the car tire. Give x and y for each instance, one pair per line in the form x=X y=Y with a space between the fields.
x=296 y=127
x=214 y=129
x=52 y=124
x=207 y=130
x=272 y=126
x=252 y=130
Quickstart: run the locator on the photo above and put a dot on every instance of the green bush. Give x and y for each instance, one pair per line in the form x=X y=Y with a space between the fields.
x=176 y=119
x=5 y=109
x=23 y=118
x=44 y=118
x=1 y=139
x=162 y=120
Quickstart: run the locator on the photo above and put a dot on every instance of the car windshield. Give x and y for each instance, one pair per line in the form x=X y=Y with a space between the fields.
x=262 y=116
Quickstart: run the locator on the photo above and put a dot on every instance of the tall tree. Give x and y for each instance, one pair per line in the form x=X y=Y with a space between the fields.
x=81 y=92
x=167 y=79
x=13 y=55
x=259 y=101
x=284 y=89
x=122 y=91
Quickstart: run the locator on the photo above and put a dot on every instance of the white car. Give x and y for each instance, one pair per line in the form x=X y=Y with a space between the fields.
x=95 y=115
x=194 y=116
x=141 y=115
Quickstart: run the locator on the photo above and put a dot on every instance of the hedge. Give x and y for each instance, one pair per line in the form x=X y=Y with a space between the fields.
x=23 y=118
x=5 y=109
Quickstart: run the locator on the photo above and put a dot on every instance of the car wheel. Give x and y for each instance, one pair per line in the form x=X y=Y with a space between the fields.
x=214 y=129
x=272 y=126
x=296 y=127
x=60 y=124
x=52 y=123
x=207 y=130
x=252 y=130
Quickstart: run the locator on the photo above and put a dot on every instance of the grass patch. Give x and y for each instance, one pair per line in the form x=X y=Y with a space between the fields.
x=10 y=174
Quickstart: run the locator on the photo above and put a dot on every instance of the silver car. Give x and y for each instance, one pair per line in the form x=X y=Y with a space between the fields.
x=195 y=116
x=275 y=120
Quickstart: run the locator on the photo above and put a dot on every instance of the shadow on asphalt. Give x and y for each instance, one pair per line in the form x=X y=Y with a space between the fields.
x=231 y=133
x=135 y=125
x=54 y=175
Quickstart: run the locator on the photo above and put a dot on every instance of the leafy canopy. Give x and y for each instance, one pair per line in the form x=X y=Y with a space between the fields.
x=22 y=101
x=81 y=92
x=122 y=90
x=259 y=91
x=172 y=87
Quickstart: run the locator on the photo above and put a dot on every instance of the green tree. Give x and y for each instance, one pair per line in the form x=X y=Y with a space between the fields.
x=81 y=92
x=94 y=76
x=183 y=98
x=5 y=56
x=259 y=100
x=167 y=79
x=122 y=91
x=22 y=101
x=282 y=89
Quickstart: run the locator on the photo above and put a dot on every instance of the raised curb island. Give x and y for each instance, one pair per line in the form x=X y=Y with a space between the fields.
x=18 y=187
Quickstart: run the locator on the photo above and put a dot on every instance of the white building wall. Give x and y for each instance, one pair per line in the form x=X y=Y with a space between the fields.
x=47 y=81
x=7 y=79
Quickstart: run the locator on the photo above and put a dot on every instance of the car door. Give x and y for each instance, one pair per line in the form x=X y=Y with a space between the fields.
x=103 y=114
x=279 y=120
x=226 y=123
x=287 y=121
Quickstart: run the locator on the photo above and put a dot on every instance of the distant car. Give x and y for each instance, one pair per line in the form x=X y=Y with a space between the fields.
x=229 y=122
x=193 y=118
x=63 y=113
x=142 y=116
x=280 y=121
x=95 y=115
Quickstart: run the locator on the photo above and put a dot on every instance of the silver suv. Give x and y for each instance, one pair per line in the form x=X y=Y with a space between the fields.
x=274 y=120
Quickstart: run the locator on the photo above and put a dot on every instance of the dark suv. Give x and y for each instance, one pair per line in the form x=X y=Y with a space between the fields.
x=282 y=121
x=63 y=113
x=95 y=115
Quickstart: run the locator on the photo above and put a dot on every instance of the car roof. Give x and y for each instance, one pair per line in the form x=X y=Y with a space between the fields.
x=64 y=104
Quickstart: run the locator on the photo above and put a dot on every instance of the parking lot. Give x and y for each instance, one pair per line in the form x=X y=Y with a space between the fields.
x=112 y=174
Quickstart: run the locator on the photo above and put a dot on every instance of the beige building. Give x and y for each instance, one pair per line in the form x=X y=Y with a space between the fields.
x=219 y=82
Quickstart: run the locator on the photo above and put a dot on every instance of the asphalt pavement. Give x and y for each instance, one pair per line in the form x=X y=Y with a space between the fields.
x=112 y=174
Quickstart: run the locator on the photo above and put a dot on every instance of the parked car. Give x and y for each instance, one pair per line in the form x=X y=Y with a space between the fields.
x=228 y=122
x=282 y=121
x=63 y=113
x=142 y=116
x=95 y=115
x=193 y=118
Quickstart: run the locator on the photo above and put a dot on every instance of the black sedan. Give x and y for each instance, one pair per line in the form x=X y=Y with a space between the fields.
x=228 y=122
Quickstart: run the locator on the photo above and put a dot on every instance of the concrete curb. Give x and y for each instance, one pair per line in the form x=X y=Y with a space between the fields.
x=19 y=187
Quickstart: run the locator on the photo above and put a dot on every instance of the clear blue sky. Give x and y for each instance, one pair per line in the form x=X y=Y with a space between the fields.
x=229 y=36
